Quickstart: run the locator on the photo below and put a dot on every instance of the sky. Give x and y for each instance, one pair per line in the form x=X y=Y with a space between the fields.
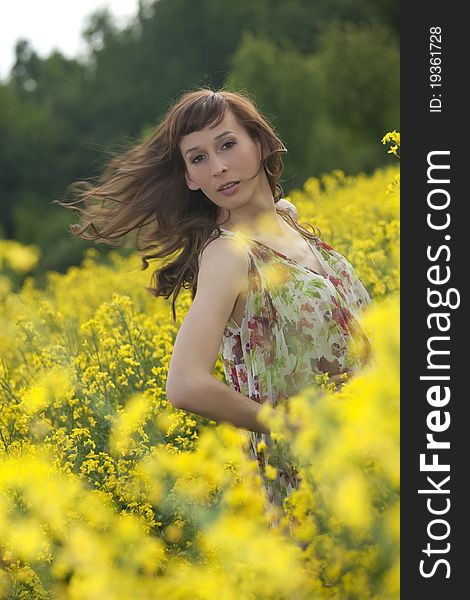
x=51 y=24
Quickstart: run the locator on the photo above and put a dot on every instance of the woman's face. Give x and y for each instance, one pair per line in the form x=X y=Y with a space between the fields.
x=215 y=156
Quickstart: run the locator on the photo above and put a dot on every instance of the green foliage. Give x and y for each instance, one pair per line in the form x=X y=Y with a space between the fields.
x=358 y=72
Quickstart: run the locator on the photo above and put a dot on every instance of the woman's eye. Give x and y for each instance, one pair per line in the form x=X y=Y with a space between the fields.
x=194 y=159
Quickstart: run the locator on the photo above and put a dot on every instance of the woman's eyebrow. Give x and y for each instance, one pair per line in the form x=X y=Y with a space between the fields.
x=216 y=138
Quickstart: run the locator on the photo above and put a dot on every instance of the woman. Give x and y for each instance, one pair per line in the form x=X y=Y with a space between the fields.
x=280 y=305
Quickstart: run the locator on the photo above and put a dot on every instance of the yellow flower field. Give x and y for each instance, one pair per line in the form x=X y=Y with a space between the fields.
x=107 y=492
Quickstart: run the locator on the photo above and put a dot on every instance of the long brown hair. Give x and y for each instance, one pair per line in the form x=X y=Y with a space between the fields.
x=143 y=190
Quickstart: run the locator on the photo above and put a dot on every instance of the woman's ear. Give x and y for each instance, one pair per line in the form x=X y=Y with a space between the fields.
x=189 y=182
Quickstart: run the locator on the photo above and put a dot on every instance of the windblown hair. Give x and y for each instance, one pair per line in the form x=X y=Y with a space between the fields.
x=143 y=191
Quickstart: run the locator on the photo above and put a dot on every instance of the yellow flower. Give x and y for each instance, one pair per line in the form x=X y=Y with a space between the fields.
x=271 y=472
x=20 y=258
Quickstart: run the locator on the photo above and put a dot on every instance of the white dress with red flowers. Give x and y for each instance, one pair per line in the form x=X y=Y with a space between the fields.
x=296 y=324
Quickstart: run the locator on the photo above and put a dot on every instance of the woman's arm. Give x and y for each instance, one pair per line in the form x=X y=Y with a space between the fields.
x=213 y=399
x=223 y=274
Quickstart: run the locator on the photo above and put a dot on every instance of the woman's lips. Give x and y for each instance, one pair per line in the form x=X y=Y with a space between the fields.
x=230 y=190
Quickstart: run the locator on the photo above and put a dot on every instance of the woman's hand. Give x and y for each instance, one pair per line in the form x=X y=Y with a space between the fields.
x=341 y=378
x=333 y=383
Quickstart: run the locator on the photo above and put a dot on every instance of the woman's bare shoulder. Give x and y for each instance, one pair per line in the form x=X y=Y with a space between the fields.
x=291 y=208
x=229 y=249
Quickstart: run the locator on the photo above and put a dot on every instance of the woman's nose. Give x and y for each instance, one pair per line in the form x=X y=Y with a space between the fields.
x=218 y=166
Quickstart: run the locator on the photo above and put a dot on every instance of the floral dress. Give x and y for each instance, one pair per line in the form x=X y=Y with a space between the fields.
x=296 y=324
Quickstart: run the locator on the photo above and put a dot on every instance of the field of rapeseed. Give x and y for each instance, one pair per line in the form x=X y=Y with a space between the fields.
x=107 y=492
